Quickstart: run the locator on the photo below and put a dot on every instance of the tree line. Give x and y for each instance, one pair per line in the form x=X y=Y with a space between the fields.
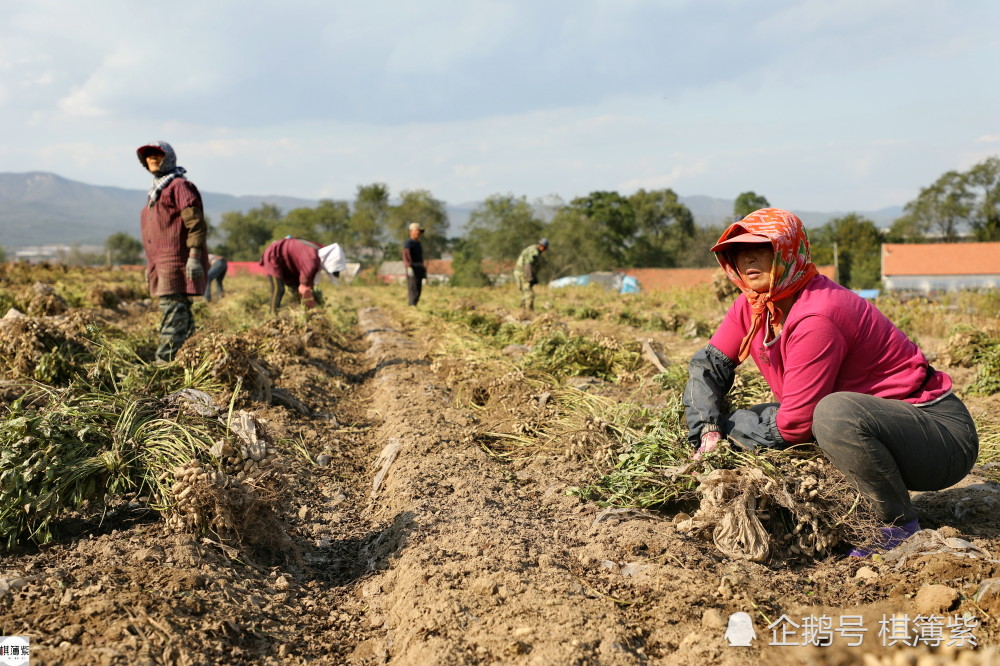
x=603 y=230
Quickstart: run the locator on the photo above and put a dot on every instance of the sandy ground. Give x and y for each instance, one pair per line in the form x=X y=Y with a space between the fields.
x=414 y=546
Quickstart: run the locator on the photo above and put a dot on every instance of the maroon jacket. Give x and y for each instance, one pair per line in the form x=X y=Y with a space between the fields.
x=292 y=260
x=165 y=240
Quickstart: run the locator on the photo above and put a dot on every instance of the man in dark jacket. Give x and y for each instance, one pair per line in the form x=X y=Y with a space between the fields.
x=413 y=261
x=173 y=236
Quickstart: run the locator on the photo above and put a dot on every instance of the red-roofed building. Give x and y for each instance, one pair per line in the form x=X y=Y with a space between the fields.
x=929 y=267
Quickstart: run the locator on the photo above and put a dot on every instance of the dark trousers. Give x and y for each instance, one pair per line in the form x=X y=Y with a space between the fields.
x=216 y=273
x=176 y=325
x=277 y=293
x=414 y=284
x=889 y=447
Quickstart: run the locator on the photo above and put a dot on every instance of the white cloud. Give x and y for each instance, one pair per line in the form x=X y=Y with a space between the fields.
x=814 y=104
x=80 y=103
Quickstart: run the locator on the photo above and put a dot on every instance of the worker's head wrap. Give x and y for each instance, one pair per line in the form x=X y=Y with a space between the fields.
x=167 y=171
x=792 y=268
x=333 y=259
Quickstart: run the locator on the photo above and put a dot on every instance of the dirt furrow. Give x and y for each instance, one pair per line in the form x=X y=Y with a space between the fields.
x=487 y=563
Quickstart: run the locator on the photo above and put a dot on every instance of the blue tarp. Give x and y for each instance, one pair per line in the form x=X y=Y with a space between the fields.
x=867 y=294
x=619 y=282
x=630 y=285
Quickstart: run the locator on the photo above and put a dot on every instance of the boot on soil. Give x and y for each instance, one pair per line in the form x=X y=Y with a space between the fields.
x=890 y=537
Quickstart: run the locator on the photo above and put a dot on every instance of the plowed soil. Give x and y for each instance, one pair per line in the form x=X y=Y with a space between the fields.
x=415 y=546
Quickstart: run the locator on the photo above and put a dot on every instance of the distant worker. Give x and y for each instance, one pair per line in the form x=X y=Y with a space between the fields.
x=413 y=261
x=173 y=236
x=526 y=271
x=217 y=268
x=295 y=262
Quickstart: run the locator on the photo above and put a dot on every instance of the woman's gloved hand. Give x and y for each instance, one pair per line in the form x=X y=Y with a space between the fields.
x=709 y=442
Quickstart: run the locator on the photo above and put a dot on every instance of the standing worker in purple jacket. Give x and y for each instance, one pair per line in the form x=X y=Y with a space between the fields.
x=174 y=238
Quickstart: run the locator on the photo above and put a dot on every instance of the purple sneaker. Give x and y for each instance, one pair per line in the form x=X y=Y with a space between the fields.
x=890 y=537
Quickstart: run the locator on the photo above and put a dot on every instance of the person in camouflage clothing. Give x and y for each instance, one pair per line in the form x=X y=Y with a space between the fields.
x=174 y=239
x=526 y=271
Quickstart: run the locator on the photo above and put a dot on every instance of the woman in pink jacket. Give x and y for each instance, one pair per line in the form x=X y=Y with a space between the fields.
x=842 y=373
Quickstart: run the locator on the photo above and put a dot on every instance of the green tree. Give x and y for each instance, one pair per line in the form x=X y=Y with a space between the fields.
x=326 y=223
x=3 y=254
x=247 y=234
x=942 y=207
x=983 y=181
x=695 y=253
x=858 y=244
x=420 y=207
x=592 y=233
x=368 y=222
x=501 y=227
x=748 y=202
x=664 y=226
x=466 y=265
x=905 y=229
x=124 y=249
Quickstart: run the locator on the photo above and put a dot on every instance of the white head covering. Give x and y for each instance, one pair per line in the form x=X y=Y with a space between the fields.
x=332 y=258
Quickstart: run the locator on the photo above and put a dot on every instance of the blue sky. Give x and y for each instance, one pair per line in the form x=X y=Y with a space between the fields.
x=845 y=105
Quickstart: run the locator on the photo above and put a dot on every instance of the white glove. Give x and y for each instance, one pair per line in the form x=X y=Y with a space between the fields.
x=709 y=442
x=193 y=269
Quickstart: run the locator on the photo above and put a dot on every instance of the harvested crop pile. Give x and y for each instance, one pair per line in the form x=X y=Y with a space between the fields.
x=66 y=452
x=563 y=355
x=45 y=349
x=111 y=296
x=45 y=301
x=233 y=360
x=965 y=345
x=779 y=506
x=723 y=287
x=234 y=494
x=968 y=347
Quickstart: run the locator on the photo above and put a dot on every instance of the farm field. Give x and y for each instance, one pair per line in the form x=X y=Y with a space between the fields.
x=457 y=483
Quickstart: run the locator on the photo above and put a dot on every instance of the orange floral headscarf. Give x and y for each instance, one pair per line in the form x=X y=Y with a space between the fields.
x=792 y=268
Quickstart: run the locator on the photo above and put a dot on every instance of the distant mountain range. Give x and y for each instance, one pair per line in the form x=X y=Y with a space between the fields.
x=45 y=209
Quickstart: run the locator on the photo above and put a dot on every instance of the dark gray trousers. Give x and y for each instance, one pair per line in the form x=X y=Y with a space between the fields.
x=888 y=447
x=414 y=284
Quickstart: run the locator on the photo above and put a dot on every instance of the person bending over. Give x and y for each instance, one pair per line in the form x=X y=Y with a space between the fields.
x=295 y=263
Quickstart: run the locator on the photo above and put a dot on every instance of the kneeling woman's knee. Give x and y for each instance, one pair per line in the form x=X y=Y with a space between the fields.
x=831 y=416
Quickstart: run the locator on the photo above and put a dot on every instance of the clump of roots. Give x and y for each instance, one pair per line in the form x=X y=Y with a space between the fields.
x=781 y=506
x=240 y=513
x=237 y=496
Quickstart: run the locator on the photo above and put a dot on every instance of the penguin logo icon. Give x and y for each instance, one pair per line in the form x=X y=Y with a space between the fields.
x=740 y=631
